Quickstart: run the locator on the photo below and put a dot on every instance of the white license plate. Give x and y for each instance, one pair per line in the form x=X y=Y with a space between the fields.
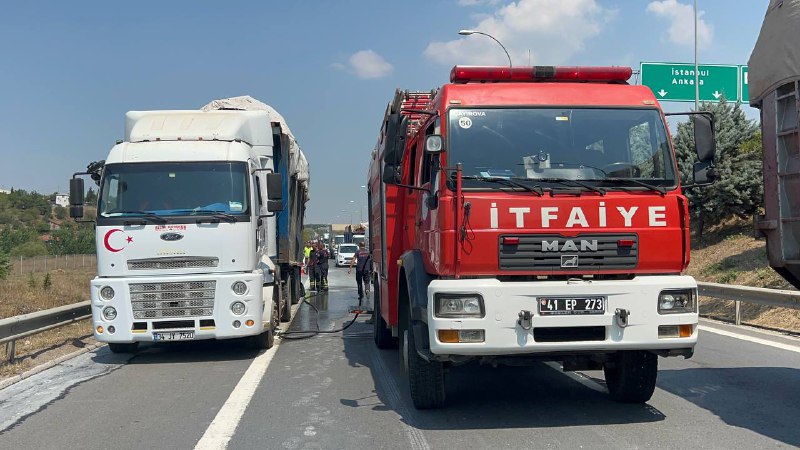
x=173 y=336
x=556 y=306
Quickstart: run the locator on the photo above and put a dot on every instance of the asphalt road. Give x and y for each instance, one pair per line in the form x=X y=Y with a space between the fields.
x=338 y=391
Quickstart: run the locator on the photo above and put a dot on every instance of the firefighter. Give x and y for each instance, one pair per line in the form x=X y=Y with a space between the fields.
x=322 y=265
x=313 y=271
x=363 y=262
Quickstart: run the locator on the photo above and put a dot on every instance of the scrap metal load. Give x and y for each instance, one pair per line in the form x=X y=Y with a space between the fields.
x=774 y=87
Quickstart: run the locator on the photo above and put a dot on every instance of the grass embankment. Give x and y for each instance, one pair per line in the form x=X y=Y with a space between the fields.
x=729 y=254
x=23 y=294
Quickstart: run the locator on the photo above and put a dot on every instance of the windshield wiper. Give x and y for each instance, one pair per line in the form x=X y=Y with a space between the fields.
x=660 y=189
x=587 y=186
x=508 y=182
x=146 y=214
x=214 y=213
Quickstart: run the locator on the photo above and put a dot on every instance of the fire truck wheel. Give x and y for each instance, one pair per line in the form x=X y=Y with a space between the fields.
x=380 y=330
x=631 y=376
x=286 y=304
x=426 y=378
x=123 y=348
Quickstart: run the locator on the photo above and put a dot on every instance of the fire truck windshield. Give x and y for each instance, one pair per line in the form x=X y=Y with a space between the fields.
x=602 y=146
x=174 y=188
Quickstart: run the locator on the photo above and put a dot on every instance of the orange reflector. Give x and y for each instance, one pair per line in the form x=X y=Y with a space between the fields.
x=99 y=329
x=685 y=330
x=448 y=336
x=249 y=323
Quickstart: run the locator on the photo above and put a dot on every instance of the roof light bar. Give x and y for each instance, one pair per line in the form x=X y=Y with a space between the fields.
x=467 y=74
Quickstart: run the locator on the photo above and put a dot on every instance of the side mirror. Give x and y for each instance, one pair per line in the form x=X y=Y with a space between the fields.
x=434 y=144
x=704 y=138
x=275 y=187
x=274 y=205
x=76 y=198
x=391 y=174
x=704 y=173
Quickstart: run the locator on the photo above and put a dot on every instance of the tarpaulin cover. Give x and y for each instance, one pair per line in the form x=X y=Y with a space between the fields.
x=775 y=60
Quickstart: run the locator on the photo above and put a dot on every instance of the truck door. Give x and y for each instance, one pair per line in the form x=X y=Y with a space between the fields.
x=427 y=237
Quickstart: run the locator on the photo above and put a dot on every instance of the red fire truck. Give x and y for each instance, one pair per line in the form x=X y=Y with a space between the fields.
x=533 y=213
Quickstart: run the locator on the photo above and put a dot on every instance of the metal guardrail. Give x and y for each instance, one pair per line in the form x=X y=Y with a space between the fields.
x=18 y=327
x=762 y=296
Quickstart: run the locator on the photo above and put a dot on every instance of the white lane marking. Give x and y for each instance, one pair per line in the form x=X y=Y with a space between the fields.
x=223 y=426
x=415 y=437
x=753 y=339
x=579 y=377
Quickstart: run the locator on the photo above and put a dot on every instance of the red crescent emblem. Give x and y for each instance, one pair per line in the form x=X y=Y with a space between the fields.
x=105 y=240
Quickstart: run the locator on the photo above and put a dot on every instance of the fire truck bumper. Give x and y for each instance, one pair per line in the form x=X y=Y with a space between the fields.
x=657 y=313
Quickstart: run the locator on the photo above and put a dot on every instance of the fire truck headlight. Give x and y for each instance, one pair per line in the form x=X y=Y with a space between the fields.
x=237 y=308
x=107 y=293
x=677 y=301
x=459 y=305
x=109 y=313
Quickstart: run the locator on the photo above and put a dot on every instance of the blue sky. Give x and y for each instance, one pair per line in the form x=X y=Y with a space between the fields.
x=70 y=70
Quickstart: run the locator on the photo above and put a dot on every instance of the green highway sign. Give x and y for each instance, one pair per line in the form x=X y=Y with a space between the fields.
x=675 y=81
x=744 y=92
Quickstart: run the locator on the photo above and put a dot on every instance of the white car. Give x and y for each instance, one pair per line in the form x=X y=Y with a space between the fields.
x=344 y=254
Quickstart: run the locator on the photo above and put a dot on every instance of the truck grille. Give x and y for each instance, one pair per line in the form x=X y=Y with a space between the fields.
x=551 y=252
x=172 y=299
x=181 y=262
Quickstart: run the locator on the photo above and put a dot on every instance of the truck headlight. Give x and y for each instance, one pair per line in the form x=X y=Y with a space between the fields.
x=109 y=313
x=237 y=308
x=677 y=301
x=459 y=305
x=239 y=288
x=107 y=293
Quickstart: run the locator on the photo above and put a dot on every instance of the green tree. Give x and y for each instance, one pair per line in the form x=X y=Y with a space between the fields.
x=738 y=190
x=5 y=266
x=67 y=241
x=60 y=212
x=91 y=197
x=28 y=249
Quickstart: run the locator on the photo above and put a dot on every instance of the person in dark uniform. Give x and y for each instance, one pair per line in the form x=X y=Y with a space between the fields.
x=363 y=262
x=322 y=265
x=313 y=270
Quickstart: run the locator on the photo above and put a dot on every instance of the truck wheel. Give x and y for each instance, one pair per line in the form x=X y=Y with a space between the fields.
x=631 y=376
x=286 y=304
x=380 y=329
x=297 y=287
x=426 y=378
x=123 y=348
x=266 y=340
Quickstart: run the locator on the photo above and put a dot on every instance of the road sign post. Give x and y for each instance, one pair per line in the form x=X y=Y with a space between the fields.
x=675 y=81
x=744 y=91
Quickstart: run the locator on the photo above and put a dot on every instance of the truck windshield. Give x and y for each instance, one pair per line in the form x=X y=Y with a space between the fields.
x=605 y=147
x=170 y=189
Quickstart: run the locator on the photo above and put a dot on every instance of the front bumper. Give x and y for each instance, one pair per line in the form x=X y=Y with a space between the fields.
x=504 y=300
x=219 y=324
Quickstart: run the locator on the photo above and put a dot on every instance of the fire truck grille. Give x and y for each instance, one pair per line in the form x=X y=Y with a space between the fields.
x=553 y=252
x=182 y=262
x=174 y=299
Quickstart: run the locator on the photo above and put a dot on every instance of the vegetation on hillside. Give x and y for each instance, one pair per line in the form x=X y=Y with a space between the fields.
x=30 y=225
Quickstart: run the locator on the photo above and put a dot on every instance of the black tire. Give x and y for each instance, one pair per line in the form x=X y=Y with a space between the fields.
x=426 y=378
x=380 y=329
x=297 y=286
x=631 y=376
x=286 y=304
x=116 y=347
x=265 y=340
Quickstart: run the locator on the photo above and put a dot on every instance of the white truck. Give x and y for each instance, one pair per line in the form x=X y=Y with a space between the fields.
x=199 y=222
